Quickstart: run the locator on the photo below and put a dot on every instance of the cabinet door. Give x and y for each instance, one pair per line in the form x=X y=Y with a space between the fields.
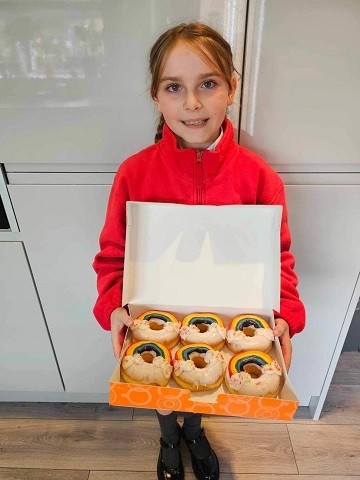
x=27 y=361
x=85 y=101
x=301 y=91
x=60 y=225
x=325 y=227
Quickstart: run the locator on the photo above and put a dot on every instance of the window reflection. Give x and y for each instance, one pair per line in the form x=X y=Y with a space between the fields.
x=53 y=53
x=86 y=53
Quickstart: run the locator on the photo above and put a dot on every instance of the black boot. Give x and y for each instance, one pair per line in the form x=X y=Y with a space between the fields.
x=166 y=473
x=205 y=468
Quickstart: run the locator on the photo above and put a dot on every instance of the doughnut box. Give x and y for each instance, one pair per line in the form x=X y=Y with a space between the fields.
x=183 y=259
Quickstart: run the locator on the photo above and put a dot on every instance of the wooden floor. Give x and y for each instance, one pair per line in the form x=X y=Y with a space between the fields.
x=42 y=441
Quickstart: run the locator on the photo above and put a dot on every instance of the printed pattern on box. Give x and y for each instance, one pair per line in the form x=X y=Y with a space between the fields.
x=146 y=396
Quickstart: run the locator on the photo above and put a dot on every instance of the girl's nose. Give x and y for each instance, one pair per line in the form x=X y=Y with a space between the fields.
x=192 y=102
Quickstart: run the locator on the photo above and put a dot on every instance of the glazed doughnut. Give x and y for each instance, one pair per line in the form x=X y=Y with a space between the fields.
x=253 y=373
x=203 y=328
x=156 y=326
x=249 y=332
x=198 y=367
x=148 y=363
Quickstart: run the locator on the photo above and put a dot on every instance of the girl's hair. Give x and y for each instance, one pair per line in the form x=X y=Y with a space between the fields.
x=204 y=40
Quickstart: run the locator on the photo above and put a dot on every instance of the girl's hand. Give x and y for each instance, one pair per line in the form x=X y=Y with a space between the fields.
x=118 y=319
x=281 y=330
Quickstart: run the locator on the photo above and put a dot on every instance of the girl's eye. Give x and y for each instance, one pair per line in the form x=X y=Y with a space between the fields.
x=174 y=87
x=209 y=84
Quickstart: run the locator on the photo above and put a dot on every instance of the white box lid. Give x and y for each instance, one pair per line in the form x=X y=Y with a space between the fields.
x=218 y=256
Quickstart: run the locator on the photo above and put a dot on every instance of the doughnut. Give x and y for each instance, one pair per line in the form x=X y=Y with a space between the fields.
x=198 y=367
x=156 y=326
x=249 y=332
x=148 y=363
x=203 y=328
x=253 y=373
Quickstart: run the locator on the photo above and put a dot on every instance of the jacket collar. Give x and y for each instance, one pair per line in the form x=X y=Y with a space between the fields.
x=184 y=160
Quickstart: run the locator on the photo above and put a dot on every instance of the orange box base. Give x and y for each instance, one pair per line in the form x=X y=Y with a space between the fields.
x=168 y=398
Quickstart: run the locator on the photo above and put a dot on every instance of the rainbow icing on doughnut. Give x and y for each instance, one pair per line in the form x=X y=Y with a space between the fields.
x=198 y=367
x=156 y=326
x=203 y=328
x=253 y=373
x=148 y=363
x=249 y=332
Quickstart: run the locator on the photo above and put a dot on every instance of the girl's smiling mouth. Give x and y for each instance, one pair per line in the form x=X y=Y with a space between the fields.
x=194 y=123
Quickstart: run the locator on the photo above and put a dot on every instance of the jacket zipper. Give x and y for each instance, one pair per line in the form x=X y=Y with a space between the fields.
x=199 y=174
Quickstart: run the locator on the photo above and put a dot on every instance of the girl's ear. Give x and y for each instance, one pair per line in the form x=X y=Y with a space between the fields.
x=157 y=104
x=232 y=90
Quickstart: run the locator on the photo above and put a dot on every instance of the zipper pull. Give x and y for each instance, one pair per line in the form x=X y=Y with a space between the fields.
x=199 y=155
x=199 y=176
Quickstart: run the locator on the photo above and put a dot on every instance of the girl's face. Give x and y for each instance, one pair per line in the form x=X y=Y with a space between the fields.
x=193 y=97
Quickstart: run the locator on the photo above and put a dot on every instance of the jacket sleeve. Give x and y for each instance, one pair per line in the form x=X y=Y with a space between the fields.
x=109 y=262
x=292 y=309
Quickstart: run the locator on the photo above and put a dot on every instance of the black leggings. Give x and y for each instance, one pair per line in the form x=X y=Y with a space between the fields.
x=170 y=429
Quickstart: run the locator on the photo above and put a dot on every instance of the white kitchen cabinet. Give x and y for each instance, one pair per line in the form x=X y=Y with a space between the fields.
x=325 y=226
x=81 y=97
x=27 y=360
x=300 y=105
x=60 y=225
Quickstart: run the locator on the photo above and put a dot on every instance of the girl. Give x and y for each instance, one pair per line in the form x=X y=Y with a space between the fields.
x=195 y=160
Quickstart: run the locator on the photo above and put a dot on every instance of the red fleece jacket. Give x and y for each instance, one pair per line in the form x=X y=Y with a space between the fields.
x=230 y=175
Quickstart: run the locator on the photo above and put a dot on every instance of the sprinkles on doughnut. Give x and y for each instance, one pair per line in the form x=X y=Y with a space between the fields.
x=156 y=326
x=253 y=373
x=148 y=363
x=203 y=328
x=198 y=367
x=249 y=332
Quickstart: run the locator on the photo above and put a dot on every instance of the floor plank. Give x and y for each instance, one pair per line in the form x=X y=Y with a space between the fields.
x=348 y=361
x=100 y=445
x=86 y=411
x=36 y=474
x=78 y=445
x=326 y=449
x=346 y=378
x=120 y=475
x=342 y=405
x=347 y=371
